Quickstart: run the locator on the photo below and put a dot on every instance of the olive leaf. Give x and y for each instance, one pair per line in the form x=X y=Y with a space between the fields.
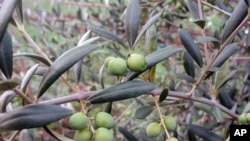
x=226 y=79
x=223 y=56
x=6 y=11
x=163 y=95
x=145 y=28
x=62 y=64
x=185 y=77
x=6 y=55
x=193 y=8
x=188 y=64
x=32 y=116
x=132 y=18
x=27 y=77
x=191 y=47
x=222 y=6
x=154 y=58
x=225 y=99
x=129 y=136
x=122 y=91
x=107 y=34
x=238 y=15
x=8 y=84
x=143 y=112
x=204 y=133
x=56 y=135
x=32 y=56
x=5 y=98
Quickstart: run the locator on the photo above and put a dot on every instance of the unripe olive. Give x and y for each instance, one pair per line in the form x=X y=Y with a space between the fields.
x=153 y=129
x=248 y=117
x=136 y=62
x=103 y=134
x=107 y=60
x=78 y=121
x=117 y=66
x=83 y=135
x=105 y=120
x=172 y=139
x=170 y=123
x=242 y=119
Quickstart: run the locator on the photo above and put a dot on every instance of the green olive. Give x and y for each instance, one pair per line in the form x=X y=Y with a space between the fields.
x=172 y=139
x=83 y=135
x=78 y=121
x=105 y=120
x=136 y=62
x=242 y=119
x=103 y=134
x=170 y=123
x=107 y=60
x=117 y=66
x=153 y=129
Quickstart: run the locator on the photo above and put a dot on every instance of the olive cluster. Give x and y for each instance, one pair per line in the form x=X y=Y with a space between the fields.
x=154 y=129
x=118 y=66
x=244 y=118
x=103 y=122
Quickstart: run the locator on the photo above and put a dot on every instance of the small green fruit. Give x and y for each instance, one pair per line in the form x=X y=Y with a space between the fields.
x=103 y=134
x=107 y=60
x=83 y=135
x=105 y=120
x=170 y=123
x=172 y=139
x=248 y=117
x=153 y=129
x=78 y=121
x=117 y=66
x=136 y=62
x=242 y=119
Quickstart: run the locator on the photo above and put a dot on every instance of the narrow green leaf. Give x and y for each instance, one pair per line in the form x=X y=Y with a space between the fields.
x=8 y=84
x=204 y=133
x=32 y=56
x=6 y=11
x=154 y=58
x=222 y=6
x=163 y=95
x=193 y=8
x=224 y=55
x=210 y=110
x=238 y=15
x=122 y=91
x=226 y=79
x=62 y=64
x=78 y=66
x=185 y=77
x=188 y=64
x=27 y=77
x=132 y=21
x=149 y=23
x=6 y=55
x=129 y=136
x=56 y=135
x=32 y=116
x=225 y=99
x=206 y=39
x=5 y=98
x=143 y=112
x=191 y=47
x=200 y=22
x=107 y=34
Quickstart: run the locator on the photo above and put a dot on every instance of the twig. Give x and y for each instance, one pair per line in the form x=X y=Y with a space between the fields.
x=161 y=116
x=22 y=95
x=203 y=75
